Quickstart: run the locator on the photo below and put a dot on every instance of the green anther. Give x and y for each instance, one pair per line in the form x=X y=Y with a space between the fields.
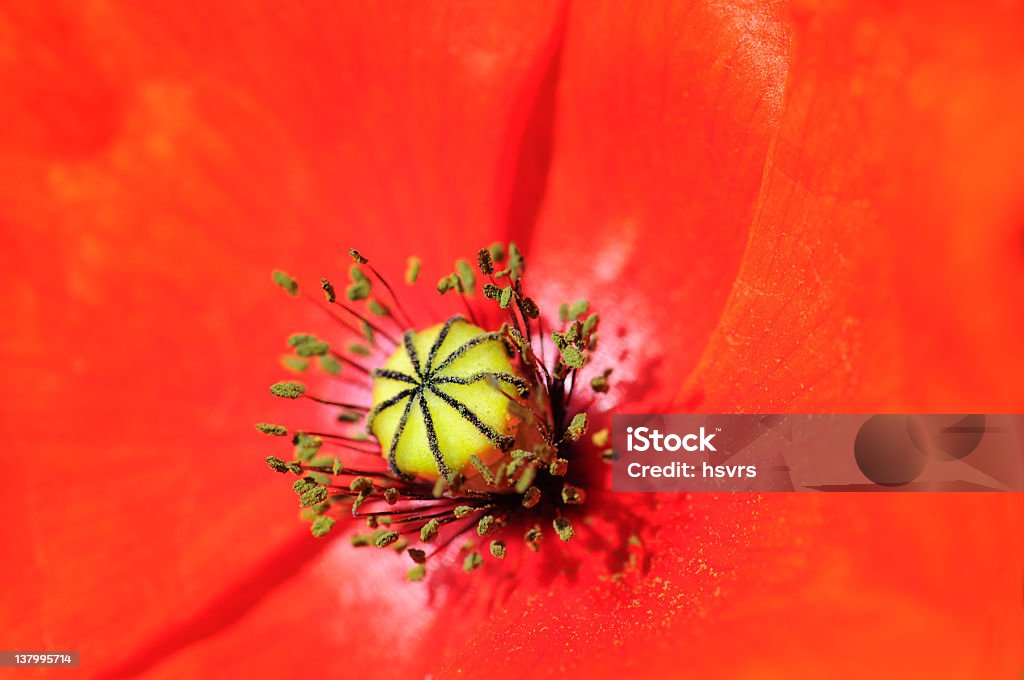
x=439 y=486
x=497 y=251
x=307 y=441
x=400 y=545
x=356 y=256
x=526 y=479
x=377 y=308
x=358 y=277
x=313 y=348
x=483 y=261
x=294 y=467
x=486 y=525
x=429 y=531
x=601 y=437
x=573 y=335
x=301 y=486
x=361 y=498
x=466 y=274
x=514 y=467
x=609 y=456
x=288 y=283
x=573 y=495
x=305 y=454
x=516 y=264
x=417 y=573
x=472 y=562
x=444 y=285
x=317 y=494
x=590 y=325
x=288 y=389
x=357 y=291
x=361 y=350
x=529 y=308
x=492 y=292
x=294 y=364
x=322 y=463
x=531 y=497
x=462 y=511
x=599 y=384
x=517 y=338
x=273 y=430
x=578 y=309
x=336 y=466
x=311 y=513
x=577 y=428
x=276 y=464
x=368 y=332
x=412 y=270
x=482 y=468
x=572 y=357
x=372 y=523
x=320 y=477
x=391 y=496
x=296 y=339
x=321 y=526
x=457 y=283
x=506 y=297
x=360 y=540
x=416 y=555
x=386 y=539
x=564 y=528
x=360 y=484
x=563 y=312
x=329 y=365
x=360 y=286
x=328 y=290
x=498 y=549
x=558 y=467
x=349 y=416
x=519 y=454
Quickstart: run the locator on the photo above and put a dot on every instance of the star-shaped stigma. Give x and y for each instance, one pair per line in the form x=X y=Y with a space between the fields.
x=426 y=383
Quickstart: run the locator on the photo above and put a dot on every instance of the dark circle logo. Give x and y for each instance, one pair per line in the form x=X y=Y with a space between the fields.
x=893 y=450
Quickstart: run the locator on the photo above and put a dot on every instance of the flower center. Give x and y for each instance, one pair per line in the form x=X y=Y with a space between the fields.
x=471 y=431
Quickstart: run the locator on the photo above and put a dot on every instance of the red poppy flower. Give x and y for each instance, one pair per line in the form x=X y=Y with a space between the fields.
x=810 y=208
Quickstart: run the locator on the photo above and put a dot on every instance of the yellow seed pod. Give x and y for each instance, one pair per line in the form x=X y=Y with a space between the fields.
x=438 y=401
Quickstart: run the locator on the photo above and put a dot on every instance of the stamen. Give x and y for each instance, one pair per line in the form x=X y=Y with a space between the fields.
x=469 y=413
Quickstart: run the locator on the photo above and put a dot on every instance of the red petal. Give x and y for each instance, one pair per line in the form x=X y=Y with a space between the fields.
x=664 y=117
x=885 y=268
x=169 y=160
